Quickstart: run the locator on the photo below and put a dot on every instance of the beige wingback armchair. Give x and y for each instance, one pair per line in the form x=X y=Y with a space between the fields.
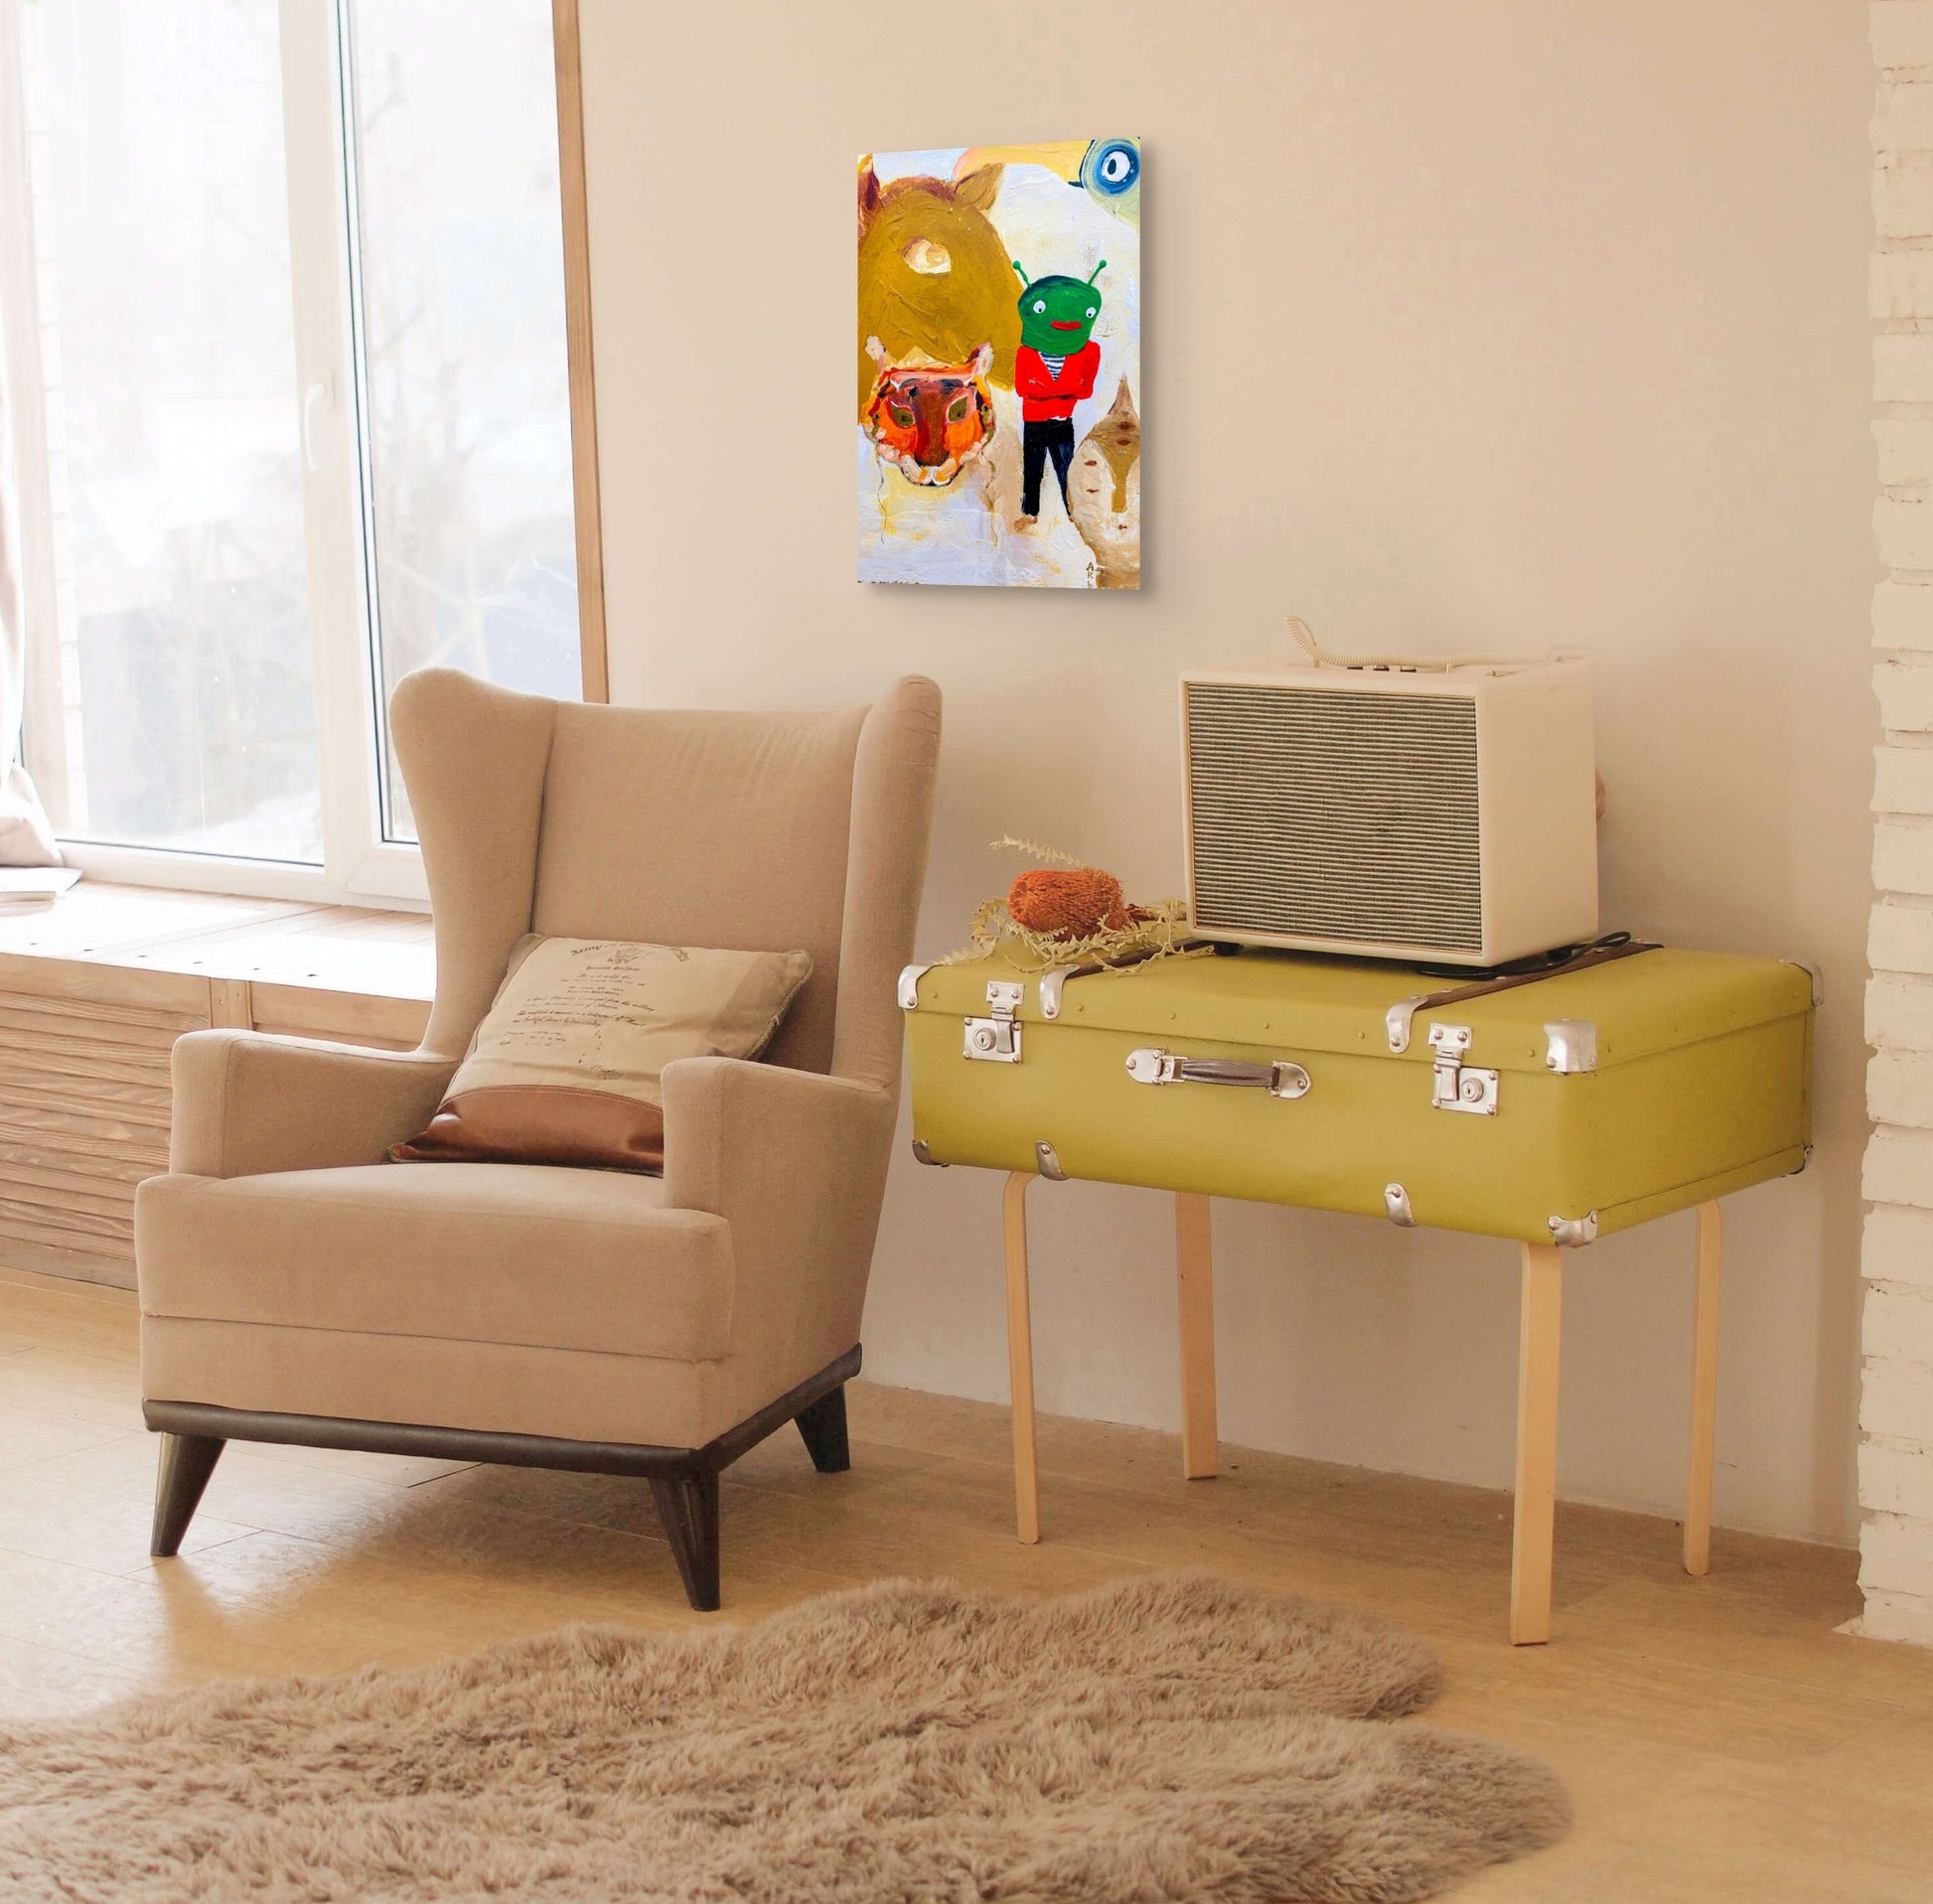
x=297 y=1287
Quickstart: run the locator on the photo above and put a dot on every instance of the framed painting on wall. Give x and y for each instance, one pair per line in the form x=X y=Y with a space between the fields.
x=1000 y=365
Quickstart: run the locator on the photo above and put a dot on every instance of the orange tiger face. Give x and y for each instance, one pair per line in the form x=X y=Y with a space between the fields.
x=929 y=421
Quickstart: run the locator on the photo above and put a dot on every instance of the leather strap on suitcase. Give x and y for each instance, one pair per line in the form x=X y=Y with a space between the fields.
x=1601 y=951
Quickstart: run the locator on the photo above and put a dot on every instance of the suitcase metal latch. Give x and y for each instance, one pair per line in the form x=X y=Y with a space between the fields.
x=1457 y=1086
x=995 y=1039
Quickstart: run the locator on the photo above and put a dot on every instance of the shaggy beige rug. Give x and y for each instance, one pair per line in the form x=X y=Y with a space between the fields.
x=1174 y=1737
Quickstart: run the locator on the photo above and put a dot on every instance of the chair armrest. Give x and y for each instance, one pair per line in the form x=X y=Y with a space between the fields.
x=247 y=1102
x=796 y=1163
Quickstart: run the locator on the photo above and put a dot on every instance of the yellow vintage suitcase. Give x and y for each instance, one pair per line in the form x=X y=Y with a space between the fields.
x=1559 y=1109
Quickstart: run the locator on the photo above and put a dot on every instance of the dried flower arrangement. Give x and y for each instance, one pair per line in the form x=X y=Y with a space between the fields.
x=1068 y=914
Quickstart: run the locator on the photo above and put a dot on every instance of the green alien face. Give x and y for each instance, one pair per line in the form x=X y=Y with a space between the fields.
x=1057 y=314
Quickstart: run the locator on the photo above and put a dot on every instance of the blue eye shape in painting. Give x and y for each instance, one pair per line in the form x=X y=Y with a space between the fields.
x=1112 y=167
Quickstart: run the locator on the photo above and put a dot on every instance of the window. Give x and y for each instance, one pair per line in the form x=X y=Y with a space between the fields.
x=295 y=413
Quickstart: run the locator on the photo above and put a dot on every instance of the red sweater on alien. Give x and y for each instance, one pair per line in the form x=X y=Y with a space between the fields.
x=1047 y=398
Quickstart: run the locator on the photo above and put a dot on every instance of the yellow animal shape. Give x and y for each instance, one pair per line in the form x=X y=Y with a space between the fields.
x=934 y=276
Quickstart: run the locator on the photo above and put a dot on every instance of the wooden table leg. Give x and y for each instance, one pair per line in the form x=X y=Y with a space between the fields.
x=1705 y=1390
x=1538 y=1342
x=1020 y=1360
x=1195 y=1294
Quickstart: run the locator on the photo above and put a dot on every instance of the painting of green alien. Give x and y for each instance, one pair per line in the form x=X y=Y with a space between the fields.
x=1054 y=369
x=998 y=346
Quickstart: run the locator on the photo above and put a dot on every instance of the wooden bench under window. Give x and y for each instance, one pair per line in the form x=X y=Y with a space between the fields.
x=93 y=994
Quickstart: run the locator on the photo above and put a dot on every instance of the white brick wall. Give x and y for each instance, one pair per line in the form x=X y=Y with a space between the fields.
x=1896 y=1478
x=1896 y=1401
x=1901 y=936
x=1899 y=1247
x=1902 y=780
x=1902 y=283
x=1905 y=455
x=1899 y=1016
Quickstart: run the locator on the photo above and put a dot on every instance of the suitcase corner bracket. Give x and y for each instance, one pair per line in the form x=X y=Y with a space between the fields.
x=1053 y=981
x=1395 y=1206
x=1396 y=1020
x=1573 y=1232
x=1812 y=972
x=1570 y=1046
x=920 y=1155
x=908 y=989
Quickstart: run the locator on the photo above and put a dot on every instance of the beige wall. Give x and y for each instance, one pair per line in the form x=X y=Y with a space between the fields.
x=1499 y=323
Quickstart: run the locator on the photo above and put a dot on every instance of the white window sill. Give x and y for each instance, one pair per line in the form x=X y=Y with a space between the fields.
x=388 y=877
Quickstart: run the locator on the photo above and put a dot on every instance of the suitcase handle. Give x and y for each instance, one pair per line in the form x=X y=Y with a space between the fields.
x=1279 y=1079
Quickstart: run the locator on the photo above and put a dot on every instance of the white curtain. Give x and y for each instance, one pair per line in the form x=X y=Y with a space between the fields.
x=26 y=838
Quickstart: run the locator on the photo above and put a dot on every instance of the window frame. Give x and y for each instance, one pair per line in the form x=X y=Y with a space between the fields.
x=360 y=865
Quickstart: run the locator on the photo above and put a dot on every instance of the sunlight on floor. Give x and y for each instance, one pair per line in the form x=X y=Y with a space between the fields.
x=1720 y=1738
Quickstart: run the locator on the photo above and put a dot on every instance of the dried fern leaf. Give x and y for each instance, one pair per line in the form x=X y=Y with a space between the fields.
x=1047 y=855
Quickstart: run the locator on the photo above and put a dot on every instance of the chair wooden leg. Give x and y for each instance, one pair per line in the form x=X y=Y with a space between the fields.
x=1020 y=1360
x=688 y=1504
x=821 y=1427
x=1539 y=1338
x=1705 y=1390
x=1195 y=1296
x=187 y=1461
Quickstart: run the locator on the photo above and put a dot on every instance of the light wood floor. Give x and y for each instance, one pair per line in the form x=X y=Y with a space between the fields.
x=1721 y=1741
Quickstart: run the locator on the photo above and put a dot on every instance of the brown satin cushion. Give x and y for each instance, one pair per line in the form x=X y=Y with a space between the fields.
x=565 y=1067
x=540 y=1124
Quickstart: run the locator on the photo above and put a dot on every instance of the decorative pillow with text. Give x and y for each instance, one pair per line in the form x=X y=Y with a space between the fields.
x=565 y=1067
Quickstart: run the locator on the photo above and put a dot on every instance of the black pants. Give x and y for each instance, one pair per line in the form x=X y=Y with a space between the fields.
x=1039 y=442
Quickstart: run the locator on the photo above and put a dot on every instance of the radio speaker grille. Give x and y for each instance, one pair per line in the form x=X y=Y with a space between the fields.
x=1332 y=813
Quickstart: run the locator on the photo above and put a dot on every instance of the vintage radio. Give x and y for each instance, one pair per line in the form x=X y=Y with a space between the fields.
x=1443 y=813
